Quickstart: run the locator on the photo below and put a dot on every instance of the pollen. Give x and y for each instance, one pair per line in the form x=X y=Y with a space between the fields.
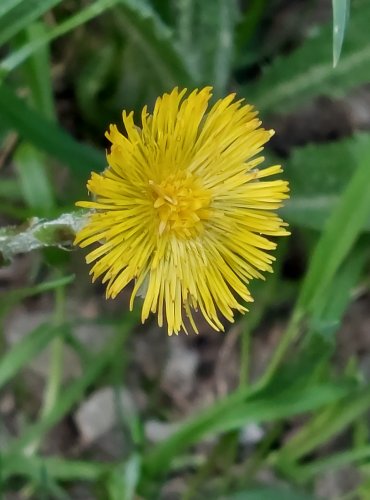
x=181 y=205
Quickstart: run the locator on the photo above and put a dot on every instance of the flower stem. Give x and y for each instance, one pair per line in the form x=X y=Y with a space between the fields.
x=40 y=233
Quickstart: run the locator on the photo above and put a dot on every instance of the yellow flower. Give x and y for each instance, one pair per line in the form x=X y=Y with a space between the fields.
x=183 y=209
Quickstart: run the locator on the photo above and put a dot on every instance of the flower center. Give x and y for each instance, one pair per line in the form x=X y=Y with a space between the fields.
x=181 y=204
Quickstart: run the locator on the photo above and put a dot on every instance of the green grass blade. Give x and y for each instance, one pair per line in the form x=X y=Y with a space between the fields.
x=26 y=349
x=327 y=316
x=323 y=426
x=184 y=22
x=308 y=71
x=89 y=12
x=37 y=72
x=34 y=182
x=15 y=296
x=30 y=164
x=74 y=392
x=340 y=18
x=7 y=5
x=47 y=136
x=9 y=190
x=229 y=415
x=156 y=43
x=56 y=468
x=123 y=479
x=342 y=231
x=333 y=462
x=21 y=15
x=222 y=40
x=206 y=34
x=250 y=21
x=314 y=196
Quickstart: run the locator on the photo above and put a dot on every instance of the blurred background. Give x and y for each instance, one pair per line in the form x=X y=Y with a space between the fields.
x=94 y=405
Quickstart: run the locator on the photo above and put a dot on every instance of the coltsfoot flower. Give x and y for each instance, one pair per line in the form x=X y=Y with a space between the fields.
x=184 y=210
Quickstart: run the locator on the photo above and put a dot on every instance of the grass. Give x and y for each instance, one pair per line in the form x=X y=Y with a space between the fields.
x=67 y=69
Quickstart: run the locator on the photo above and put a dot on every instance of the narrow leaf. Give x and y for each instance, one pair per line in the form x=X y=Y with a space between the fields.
x=340 y=18
x=323 y=426
x=35 y=184
x=279 y=404
x=342 y=230
x=330 y=166
x=21 y=354
x=333 y=462
x=84 y=15
x=206 y=32
x=37 y=72
x=21 y=15
x=55 y=467
x=156 y=43
x=7 y=5
x=308 y=71
x=72 y=394
x=48 y=136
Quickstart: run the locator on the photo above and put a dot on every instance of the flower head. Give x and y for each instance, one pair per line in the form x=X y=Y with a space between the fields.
x=183 y=210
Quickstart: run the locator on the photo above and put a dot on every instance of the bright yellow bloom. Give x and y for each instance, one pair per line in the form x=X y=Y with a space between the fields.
x=183 y=209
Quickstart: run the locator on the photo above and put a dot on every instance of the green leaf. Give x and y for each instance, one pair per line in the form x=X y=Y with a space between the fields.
x=324 y=425
x=249 y=22
x=327 y=316
x=308 y=71
x=123 y=479
x=36 y=187
x=231 y=414
x=89 y=12
x=156 y=43
x=7 y=5
x=73 y=393
x=341 y=232
x=20 y=15
x=37 y=72
x=30 y=163
x=333 y=462
x=9 y=190
x=54 y=467
x=318 y=175
x=48 y=136
x=15 y=296
x=27 y=349
x=340 y=18
x=206 y=32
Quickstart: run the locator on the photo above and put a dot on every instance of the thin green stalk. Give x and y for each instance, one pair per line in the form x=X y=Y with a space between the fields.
x=322 y=427
x=74 y=391
x=245 y=354
x=289 y=335
x=306 y=472
x=56 y=363
x=264 y=296
x=220 y=453
x=263 y=448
